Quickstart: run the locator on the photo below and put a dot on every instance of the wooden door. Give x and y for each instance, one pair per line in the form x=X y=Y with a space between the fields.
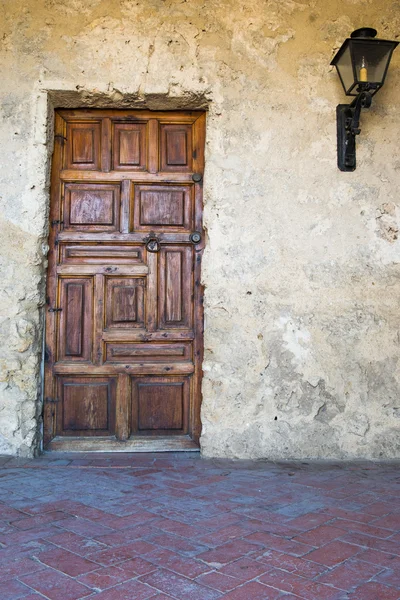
x=124 y=324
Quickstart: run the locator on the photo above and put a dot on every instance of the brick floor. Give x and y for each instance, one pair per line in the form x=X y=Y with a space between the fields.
x=178 y=527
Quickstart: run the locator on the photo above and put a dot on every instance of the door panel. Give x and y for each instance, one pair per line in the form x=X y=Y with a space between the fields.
x=76 y=318
x=160 y=404
x=124 y=328
x=138 y=353
x=176 y=147
x=125 y=302
x=130 y=146
x=83 y=148
x=87 y=406
x=175 y=287
x=166 y=208
x=78 y=254
x=91 y=207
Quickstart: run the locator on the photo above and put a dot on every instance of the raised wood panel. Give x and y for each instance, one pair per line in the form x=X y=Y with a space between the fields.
x=75 y=316
x=130 y=146
x=91 y=207
x=164 y=207
x=87 y=406
x=125 y=302
x=175 y=287
x=161 y=207
x=139 y=353
x=160 y=404
x=83 y=145
x=76 y=254
x=176 y=147
x=75 y=321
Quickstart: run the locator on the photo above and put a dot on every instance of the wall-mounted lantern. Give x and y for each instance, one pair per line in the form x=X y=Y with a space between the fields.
x=362 y=63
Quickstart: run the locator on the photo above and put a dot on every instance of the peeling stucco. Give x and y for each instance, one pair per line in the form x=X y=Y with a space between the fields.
x=301 y=268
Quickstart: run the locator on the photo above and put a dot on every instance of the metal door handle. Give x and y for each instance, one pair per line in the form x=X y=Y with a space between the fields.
x=195 y=237
x=153 y=243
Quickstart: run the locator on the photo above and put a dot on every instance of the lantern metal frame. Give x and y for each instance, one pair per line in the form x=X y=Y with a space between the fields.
x=348 y=115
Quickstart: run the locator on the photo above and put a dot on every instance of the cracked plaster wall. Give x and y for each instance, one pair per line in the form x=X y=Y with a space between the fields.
x=301 y=268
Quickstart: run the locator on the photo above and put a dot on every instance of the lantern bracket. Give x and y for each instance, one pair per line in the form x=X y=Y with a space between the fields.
x=348 y=127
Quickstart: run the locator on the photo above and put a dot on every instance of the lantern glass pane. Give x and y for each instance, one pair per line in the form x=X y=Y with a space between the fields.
x=345 y=69
x=372 y=56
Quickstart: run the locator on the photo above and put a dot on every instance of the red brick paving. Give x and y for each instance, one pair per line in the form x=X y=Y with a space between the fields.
x=218 y=581
x=374 y=591
x=349 y=574
x=253 y=590
x=13 y=589
x=178 y=527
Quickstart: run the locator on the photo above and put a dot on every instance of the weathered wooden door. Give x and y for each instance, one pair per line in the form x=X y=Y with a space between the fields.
x=124 y=325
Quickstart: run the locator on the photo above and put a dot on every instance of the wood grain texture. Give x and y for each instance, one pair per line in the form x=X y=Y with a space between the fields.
x=91 y=207
x=125 y=302
x=105 y=145
x=101 y=254
x=83 y=145
x=122 y=429
x=176 y=147
x=160 y=404
x=86 y=405
x=75 y=319
x=153 y=146
x=98 y=348
x=134 y=176
x=130 y=146
x=167 y=208
x=175 y=287
x=123 y=355
x=50 y=391
x=143 y=367
x=152 y=293
x=87 y=236
x=150 y=352
x=106 y=270
x=125 y=206
x=161 y=443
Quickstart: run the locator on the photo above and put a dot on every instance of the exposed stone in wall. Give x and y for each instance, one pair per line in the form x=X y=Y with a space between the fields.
x=301 y=266
x=387 y=222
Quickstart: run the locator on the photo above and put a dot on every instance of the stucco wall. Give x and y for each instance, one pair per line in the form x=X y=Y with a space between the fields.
x=302 y=261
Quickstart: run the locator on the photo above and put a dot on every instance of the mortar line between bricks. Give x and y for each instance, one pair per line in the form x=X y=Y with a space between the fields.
x=33 y=590
x=40 y=593
x=74 y=578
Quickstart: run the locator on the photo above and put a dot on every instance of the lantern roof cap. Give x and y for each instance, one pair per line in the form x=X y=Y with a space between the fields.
x=364 y=32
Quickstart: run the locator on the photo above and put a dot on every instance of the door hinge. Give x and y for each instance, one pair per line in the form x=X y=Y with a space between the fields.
x=51 y=400
x=57 y=222
x=55 y=309
x=60 y=137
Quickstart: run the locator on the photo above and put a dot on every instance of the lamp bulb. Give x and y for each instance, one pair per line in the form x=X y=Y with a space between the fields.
x=363 y=70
